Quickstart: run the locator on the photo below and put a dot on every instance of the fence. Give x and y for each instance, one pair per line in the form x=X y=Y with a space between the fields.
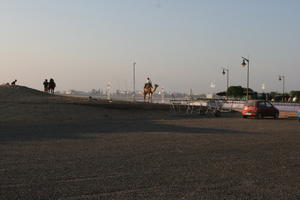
x=195 y=107
x=290 y=107
x=287 y=107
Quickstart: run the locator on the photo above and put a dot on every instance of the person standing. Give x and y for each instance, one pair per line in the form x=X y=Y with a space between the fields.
x=52 y=86
x=46 y=85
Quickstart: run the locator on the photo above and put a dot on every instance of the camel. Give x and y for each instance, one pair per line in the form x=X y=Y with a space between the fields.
x=149 y=91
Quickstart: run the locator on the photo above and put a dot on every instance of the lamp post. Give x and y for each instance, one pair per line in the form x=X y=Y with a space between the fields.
x=226 y=72
x=263 y=87
x=244 y=64
x=108 y=91
x=134 y=63
x=282 y=78
x=162 y=95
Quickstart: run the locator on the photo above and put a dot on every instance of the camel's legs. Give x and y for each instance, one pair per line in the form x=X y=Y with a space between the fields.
x=147 y=96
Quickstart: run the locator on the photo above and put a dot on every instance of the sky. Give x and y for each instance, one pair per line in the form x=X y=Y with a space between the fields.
x=179 y=44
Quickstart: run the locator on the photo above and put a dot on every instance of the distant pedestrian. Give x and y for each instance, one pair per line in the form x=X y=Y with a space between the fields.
x=46 y=85
x=52 y=86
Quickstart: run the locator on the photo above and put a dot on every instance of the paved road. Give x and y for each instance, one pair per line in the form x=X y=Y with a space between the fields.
x=214 y=158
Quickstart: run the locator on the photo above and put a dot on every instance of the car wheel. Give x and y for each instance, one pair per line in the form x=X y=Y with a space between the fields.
x=276 y=116
x=245 y=117
x=259 y=116
x=217 y=113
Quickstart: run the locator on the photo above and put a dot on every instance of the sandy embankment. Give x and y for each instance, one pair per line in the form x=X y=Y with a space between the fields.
x=22 y=105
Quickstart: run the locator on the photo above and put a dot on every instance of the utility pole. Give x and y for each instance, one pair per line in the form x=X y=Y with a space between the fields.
x=134 y=63
x=226 y=71
x=282 y=78
x=244 y=64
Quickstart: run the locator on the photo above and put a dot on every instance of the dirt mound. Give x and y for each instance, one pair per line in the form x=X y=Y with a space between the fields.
x=23 y=105
x=15 y=92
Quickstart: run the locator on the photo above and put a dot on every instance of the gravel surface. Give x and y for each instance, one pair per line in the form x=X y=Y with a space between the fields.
x=54 y=147
x=204 y=158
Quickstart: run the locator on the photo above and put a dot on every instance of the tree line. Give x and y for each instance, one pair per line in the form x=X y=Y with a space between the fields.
x=239 y=92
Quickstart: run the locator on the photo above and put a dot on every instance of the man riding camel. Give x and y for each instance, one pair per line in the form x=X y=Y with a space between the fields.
x=148 y=83
x=149 y=90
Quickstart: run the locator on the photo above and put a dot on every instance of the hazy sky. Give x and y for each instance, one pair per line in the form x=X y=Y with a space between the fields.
x=180 y=44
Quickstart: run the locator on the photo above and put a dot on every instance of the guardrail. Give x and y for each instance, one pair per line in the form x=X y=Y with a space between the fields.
x=290 y=107
x=287 y=107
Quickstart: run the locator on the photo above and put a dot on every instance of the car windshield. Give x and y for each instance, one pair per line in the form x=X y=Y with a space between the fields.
x=250 y=103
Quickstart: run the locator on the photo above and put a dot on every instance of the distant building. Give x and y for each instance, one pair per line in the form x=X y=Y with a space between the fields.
x=213 y=96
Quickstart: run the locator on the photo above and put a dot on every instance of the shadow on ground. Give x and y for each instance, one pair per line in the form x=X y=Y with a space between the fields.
x=85 y=130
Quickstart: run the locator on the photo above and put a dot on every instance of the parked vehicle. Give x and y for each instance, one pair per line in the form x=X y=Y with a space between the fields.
x=260 y=109
x=299 y=114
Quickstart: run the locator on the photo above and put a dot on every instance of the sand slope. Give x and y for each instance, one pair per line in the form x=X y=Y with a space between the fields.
x=23 y=105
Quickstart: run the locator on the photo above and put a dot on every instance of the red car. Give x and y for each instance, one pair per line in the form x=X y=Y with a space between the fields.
x=260 y=109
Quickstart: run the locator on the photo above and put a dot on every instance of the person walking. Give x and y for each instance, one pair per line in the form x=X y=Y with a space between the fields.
x=46 y=85
x=52 y=86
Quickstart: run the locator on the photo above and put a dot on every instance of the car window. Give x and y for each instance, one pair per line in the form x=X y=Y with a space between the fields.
x=250 y=103
x=269 y=105
x=261 y=104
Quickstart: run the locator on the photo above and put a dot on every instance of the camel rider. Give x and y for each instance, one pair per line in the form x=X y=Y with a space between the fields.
x=148 y=83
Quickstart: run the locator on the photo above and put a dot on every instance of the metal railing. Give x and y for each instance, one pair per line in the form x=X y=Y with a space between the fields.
x=190 y=104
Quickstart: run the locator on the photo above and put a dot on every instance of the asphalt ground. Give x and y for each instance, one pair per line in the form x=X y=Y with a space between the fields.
x=174 y=158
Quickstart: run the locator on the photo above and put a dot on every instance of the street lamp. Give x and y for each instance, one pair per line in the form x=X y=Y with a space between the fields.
x=162 y=95
x=282 y=78
x=244 y=64
x=134 y=63
x=263 y=87
x=108 y=91
x=226 y=72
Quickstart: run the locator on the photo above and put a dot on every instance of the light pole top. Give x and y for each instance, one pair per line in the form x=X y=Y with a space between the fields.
x=281 y=77
x=225 y=70
x=244 y=61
